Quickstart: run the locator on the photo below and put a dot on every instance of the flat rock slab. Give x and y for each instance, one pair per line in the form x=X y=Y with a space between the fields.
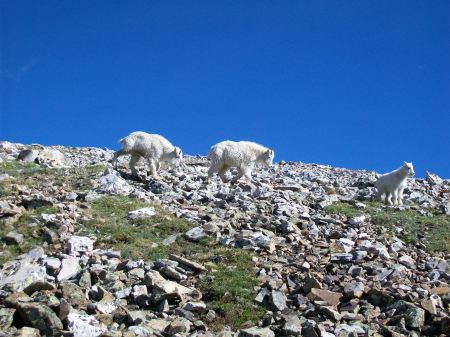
x=26 y=272
x=38 y=286
x=332 y=298
x=186 y=262
x=70 y=268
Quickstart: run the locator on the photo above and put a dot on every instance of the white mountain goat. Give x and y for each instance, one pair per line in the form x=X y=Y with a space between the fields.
x=242 y=155
x=392 y=184
x=154 y=148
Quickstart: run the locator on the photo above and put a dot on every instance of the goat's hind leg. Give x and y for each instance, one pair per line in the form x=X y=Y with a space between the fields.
x=400 y=196
x=153 y=169
x=222 y=171
x=395 y=197
x=133 y=161
x=389 y=198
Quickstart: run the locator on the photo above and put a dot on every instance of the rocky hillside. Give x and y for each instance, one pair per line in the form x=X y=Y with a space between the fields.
x=86 y=250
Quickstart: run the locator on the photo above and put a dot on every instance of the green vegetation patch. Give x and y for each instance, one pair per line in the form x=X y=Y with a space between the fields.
x=31 y=233
x=434 y=229
x=34 y=176
x=17 y=168
x=228 y=286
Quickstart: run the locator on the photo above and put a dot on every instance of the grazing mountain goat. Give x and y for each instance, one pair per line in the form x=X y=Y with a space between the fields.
x=393 y=183
x=242 y=155
x=154 y=148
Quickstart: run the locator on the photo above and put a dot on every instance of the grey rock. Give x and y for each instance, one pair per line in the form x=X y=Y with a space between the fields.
x=195 y=234
x=354 y=289
x=111 y=183
x=51 y=158
x=84 y=325
x=13 y=238
x=256 y=332
x=278 y=300
x=414 y=316
x=27 y=332
x=22 y=273
x=178 y=325
x=28 y=155
x=38 y=316
x=39 y=286
x=6 y=318
x=407 y=261
x=346 y=330
x=195 y=307
x=433 y=179
x=292 y=325
x=70 y=268
x=49 y=236
x=146 y=212
x=79 y=244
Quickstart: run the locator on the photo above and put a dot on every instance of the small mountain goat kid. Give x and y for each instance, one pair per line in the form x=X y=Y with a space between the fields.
x=393 y=183
x=242 y=155
x=154 y=148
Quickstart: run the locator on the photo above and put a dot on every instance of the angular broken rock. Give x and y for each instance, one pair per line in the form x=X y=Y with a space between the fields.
x=70 y=268
x=195 y=307
x=111 y=183
x=278 y=300
x=13 y=238
x=178 y=326
x=27 y=332
x=332 y=298
x=407 y=261
x=359 y=220
x=28 y=155
x=84 y=325
x=433 y=179
x=25 y=272
x=162 y=286
x=145 y=212
x=79 y=244
x=292 y=325
x=414 y=316
x=256 y=332
x=39 y=286
x=191 y=264
x=6 y=318
x=38 y=316
x=311 y=282
x=51 y=158
x=195 y=234
x=354 y=289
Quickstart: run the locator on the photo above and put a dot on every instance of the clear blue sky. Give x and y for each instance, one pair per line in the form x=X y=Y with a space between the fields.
x=358 y=84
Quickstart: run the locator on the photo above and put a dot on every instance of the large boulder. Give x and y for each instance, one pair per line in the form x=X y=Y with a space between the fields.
x=51 y=158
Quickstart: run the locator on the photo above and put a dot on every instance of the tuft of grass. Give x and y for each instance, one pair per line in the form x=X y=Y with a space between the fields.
x=434 y=229
x=229 y=283
x=31 y=234
x=230 y=288
x=21 y=169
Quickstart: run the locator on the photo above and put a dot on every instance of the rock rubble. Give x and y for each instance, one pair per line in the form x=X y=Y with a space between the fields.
x=319 y=273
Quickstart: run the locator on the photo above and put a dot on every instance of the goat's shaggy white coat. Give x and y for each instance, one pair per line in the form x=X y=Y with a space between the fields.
x=242 y=155
x=391 y=185
x=154 y=148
